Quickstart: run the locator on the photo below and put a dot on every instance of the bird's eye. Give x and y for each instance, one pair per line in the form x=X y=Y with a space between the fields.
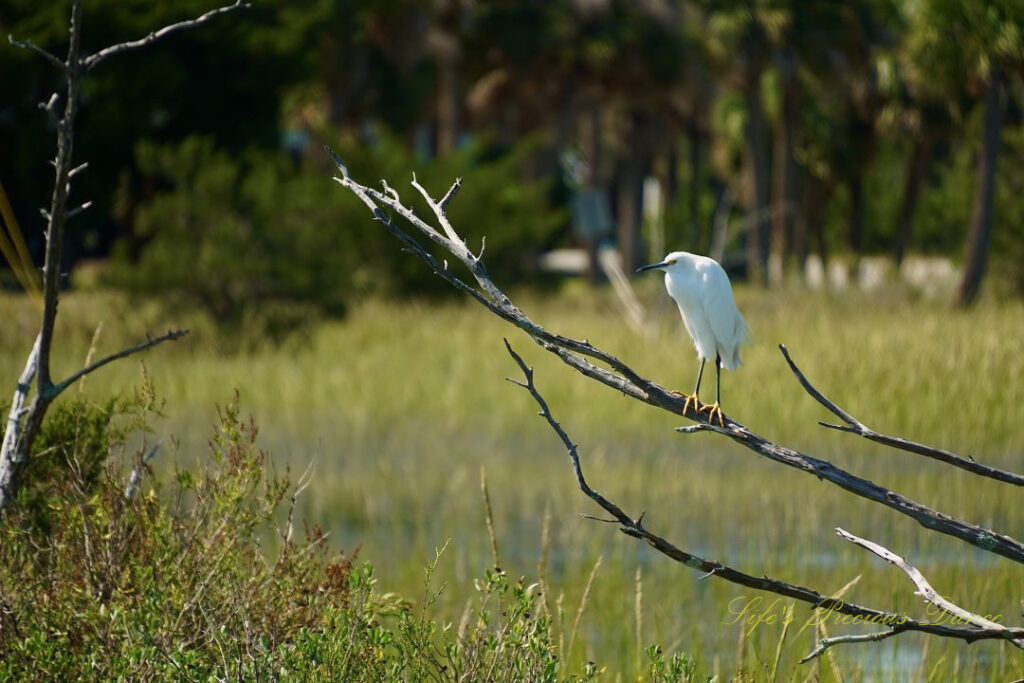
x=671 y=262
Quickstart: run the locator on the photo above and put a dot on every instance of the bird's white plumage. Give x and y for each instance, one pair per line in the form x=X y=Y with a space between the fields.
x=702 y=291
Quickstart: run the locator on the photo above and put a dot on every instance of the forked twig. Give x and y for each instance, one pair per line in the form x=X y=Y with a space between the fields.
x=898 y=623
x=93 y=60
x=924 y=589
x=826 y=643
x=24 y=424
x=855 y=426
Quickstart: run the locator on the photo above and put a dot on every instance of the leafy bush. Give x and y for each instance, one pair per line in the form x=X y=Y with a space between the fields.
x=262 y=238
x=180 y=582
x=173 y=584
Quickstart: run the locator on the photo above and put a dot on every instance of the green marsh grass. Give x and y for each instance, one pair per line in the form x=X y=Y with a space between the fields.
x=402 y=405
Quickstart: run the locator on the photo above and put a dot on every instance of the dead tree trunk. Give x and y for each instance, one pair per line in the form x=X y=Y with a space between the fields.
x=917 y=169
x=23 y=423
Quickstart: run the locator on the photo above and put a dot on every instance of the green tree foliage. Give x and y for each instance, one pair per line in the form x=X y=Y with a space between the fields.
x=259 y=239
x=225 y=81
x=831 y=121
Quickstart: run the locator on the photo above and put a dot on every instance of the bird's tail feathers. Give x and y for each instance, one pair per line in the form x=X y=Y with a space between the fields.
x=732 y=361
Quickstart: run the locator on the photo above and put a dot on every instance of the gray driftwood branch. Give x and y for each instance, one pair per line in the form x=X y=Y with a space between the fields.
x=605 y=368
x=897 y=623
x=855 y=426
x=925 y=590
x=23 y=424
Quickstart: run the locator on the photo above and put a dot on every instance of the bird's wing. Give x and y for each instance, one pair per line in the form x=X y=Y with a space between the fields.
x=726 y=322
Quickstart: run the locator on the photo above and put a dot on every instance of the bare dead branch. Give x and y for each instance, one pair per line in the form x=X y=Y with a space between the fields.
x=489 y=294
x=442 y=218
x=136 y=476
x=450 y=194
x=826 y=643
x=304 y=481
x=635 y=528
x=621 y=377
x=32 y=47
x=924 y=589
x=50 y=107
x=92 y=61
x=170 y=335
x=855 y=426
x=14 y=452
x=77 y=210
x=9 y=466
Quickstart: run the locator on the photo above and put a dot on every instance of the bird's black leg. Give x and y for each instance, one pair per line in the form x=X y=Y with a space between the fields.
x=716 y=409
x=694 y=399
x=718 y=378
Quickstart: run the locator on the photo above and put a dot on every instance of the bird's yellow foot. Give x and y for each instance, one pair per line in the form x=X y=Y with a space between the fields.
x=689 y=400
x=713 y=410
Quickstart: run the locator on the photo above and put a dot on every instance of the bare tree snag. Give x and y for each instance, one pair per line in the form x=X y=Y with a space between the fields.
x=605 y=368
x=23 y=424
x=898 y=622
x=579 y=355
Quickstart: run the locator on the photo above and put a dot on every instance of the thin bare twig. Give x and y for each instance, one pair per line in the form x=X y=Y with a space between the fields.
x=855 y=426
x=136 y=476
x=442 y=217
x=579 y=355
x=32 y=47
x=450 y=194
x=77 y=210
x=636 y=529
x=170 y=335
x=924 y=589
x=826 y=643
x=93 y=60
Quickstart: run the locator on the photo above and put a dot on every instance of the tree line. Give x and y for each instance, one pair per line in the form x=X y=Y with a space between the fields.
x=871 y=126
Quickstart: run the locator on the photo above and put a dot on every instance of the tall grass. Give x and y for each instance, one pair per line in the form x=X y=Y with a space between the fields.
x=402 y=405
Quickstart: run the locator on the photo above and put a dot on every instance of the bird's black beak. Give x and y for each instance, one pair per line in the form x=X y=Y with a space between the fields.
x=652 y=267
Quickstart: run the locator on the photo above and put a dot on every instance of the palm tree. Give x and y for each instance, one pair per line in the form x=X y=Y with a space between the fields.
x=740 y=35
x=953 y=41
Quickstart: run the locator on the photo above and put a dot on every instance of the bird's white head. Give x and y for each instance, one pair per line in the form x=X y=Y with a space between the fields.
x=674 y=261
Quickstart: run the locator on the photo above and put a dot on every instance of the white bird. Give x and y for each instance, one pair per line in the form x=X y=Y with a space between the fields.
x=702 y=291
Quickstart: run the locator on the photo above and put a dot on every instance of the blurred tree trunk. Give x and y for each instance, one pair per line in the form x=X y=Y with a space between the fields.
x=917 y=169
x=855 y=217
x=629 y=196
x=785 y=172
x=812 y=223
x=980 y=234
x=757 y=221
x=693 y=232
x=447 y=105
x=592 y=145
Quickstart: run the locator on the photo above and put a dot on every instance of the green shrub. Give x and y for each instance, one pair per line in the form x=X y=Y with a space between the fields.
x=173 y=583
x=200 y=578
x=262 y=241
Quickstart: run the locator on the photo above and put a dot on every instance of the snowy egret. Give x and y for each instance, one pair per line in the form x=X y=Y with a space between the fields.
x=702 y=291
